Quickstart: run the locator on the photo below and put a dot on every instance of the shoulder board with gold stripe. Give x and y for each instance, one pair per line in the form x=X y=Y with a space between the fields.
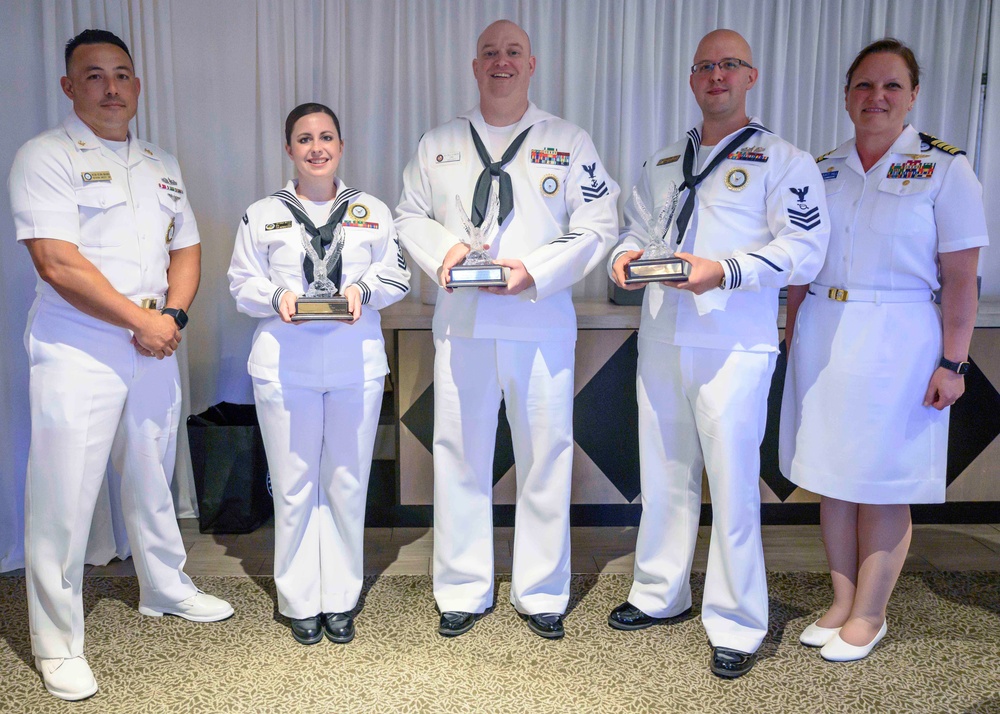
x=938 y=144
x=824 y=156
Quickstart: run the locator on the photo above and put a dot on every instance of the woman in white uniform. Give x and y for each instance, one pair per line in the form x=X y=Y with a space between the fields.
x=874 y=364
x=317 y=384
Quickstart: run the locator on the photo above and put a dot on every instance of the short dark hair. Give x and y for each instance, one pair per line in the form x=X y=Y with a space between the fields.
x=305 y=110
x=892 y=46
x=95 y=37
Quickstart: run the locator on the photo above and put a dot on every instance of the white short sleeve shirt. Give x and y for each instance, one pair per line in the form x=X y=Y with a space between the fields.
x=124 y=216
x=889 y=224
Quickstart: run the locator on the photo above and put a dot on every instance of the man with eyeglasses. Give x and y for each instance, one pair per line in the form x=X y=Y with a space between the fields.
x=751 y=219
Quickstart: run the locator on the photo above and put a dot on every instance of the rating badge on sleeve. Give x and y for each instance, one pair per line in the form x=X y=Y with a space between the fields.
x=595 y=189
x=804 y=217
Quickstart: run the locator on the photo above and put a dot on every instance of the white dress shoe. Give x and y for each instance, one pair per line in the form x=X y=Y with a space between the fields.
x=816 y=636
x=69 y=679
x=836 y=650
x=200 y=607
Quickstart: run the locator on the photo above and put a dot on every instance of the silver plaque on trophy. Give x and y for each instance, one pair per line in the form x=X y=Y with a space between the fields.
x=478 y=269
x=323 y=301
x=657 y=263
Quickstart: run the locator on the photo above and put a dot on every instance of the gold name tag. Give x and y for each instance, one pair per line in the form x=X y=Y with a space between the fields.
x=278 y=226
x=315 y=308
x=668 y=160
x=91 y=176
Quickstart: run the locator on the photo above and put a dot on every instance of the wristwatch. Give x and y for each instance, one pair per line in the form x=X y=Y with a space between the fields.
x=180 y=317
x=956 y=367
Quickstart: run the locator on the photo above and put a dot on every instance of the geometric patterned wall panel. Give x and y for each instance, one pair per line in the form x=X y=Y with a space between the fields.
x=973 y=430
x=603 y=472
x=611 y=442
x=974 y=423
x=606 y=459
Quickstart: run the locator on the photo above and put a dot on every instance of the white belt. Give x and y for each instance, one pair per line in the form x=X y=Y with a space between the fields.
x=875 y=296
x=150 y=302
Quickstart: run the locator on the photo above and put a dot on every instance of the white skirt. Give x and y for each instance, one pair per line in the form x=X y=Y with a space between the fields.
x=853 y=424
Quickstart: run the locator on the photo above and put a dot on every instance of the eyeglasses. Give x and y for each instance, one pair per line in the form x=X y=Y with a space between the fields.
x=726 y=64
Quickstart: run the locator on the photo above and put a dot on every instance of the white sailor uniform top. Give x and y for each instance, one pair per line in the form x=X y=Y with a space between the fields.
x=761 y=213
x=267 y=262
x=563 y=223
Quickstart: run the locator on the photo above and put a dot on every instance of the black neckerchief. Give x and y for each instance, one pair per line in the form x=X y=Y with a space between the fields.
x=485 y=181
x=691 y=181
x=321 y=237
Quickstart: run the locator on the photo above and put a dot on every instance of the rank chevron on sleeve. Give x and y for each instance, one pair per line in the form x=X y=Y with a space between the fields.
x=806 y=220
x=592 y=193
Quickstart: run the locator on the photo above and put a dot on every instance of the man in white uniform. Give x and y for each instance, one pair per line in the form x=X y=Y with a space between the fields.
x=557 y=220
x=752 y=218
x=107 y=222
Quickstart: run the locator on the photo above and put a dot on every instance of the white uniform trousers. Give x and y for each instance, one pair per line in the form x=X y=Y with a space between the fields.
x=90 y=390
x=319 y=445
x=536 y=381
x=702 y=408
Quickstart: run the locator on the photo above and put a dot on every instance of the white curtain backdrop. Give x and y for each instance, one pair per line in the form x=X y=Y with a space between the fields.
x=989 y=159
x=219 y=77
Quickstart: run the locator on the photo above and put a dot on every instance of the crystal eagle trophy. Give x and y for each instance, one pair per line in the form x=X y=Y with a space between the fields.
x=323 y=301
x=657 y=263
x=478 y=269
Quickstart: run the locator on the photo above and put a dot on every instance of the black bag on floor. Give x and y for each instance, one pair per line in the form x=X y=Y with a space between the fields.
x=230 y=469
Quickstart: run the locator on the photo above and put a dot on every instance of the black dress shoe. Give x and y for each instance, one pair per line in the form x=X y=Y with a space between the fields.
x=308 y=630
x=455 y=623
x=546 y=624
x=731 y=663
x=628 y=617
x=338 y=627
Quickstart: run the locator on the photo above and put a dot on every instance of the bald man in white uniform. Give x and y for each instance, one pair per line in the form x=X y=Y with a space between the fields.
x=751 y=218
x=558 y=219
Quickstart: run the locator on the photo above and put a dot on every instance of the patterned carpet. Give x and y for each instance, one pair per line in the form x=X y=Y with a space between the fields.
x=940 y=655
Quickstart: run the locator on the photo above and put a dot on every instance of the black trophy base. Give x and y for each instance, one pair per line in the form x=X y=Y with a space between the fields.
x=657 y=270
x=478 y=276
x=322 y=308
x=620 y=296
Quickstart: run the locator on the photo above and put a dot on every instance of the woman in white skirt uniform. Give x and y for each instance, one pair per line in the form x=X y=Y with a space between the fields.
x=317 y=384
x=874 y=365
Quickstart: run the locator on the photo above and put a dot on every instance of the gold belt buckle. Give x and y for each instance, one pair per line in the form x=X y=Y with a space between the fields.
x=837 y=294
x=148 y=303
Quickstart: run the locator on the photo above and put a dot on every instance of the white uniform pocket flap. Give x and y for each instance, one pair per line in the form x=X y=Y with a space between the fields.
x=903 y=187
x=170 y=201
x=100 y=196
x=834 y=185
x=903 y=207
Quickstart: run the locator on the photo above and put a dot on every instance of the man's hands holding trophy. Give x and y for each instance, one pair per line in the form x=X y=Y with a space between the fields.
x=468 y=264
x=657 y=263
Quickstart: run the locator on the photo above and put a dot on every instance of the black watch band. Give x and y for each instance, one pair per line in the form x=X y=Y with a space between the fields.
x=956 y=367
x=180 y=317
